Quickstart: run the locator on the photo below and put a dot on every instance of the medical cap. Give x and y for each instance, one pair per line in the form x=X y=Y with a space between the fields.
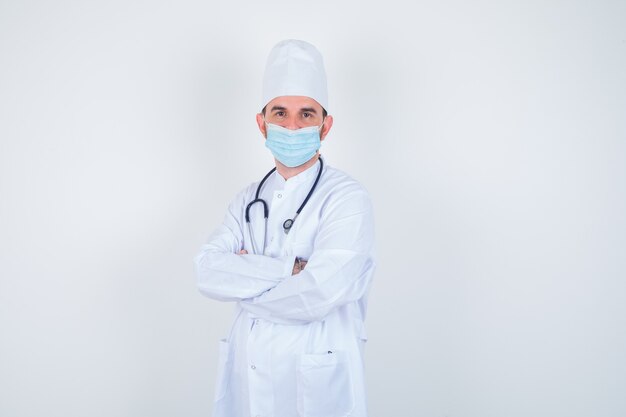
x=295 y=68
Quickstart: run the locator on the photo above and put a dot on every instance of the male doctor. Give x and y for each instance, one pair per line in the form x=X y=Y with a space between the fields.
x=300 y=269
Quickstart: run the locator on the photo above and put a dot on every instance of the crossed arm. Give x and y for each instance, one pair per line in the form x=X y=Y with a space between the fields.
x=338 y=272
x=298 y=264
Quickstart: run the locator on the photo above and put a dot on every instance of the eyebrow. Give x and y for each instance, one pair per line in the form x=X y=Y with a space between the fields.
x=278 y=108
x=304 y=109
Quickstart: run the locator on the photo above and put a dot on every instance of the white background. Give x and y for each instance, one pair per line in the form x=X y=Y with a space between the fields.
x=490 y=135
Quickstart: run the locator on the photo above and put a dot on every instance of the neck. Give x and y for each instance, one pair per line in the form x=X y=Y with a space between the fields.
x=287 y=172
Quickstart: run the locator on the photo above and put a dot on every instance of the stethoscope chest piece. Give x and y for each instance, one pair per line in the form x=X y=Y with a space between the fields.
x=287 y=225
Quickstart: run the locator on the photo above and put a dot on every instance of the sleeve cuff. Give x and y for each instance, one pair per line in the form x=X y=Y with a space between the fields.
x=289 y=262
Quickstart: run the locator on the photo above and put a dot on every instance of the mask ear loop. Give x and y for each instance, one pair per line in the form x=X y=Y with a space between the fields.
x=266 y=125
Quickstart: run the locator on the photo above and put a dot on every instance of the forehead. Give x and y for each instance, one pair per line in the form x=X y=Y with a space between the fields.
x=294 y=103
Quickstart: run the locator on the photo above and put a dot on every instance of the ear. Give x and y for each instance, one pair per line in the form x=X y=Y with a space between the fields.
x=260 y=121
x=328 y=123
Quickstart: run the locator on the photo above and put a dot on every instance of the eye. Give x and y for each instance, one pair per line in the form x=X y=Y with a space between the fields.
x=307 y=115
x=280 y=113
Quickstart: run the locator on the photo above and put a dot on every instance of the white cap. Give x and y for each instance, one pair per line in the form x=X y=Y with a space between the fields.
x=295 y=68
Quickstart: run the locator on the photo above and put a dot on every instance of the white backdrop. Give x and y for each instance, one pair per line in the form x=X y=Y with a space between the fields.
x=492 y=139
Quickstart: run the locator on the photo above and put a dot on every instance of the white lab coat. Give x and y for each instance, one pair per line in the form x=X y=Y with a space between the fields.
x=296 y=345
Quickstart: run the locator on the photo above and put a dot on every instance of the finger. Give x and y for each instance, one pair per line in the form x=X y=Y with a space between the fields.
x=243 y=252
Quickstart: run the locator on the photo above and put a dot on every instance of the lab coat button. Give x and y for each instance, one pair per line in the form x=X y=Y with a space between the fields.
x=279 y=195
x=256 y=322
x=253 y=367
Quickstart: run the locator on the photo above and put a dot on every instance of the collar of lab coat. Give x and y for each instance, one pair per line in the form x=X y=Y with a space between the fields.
x=306 y=176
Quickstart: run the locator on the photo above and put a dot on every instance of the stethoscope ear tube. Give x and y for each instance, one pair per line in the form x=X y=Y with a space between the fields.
x=257 y=200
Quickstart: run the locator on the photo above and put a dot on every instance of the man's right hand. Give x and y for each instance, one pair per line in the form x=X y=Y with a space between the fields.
x=298 y=266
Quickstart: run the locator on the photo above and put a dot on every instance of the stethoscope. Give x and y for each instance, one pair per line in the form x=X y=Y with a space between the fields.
x=287 y=224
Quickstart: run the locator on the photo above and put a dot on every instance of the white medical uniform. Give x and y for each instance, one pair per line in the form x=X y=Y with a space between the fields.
x=296 y=344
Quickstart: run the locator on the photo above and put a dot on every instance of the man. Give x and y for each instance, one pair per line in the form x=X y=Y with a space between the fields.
x=300 y=270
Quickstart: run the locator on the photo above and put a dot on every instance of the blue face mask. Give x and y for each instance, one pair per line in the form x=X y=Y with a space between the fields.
x=293 y=147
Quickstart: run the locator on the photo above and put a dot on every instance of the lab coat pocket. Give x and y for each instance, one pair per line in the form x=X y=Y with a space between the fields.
x=223 y=370
x=324 y=385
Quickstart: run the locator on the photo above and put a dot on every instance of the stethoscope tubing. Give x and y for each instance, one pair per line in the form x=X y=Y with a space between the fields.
x=289 y=222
